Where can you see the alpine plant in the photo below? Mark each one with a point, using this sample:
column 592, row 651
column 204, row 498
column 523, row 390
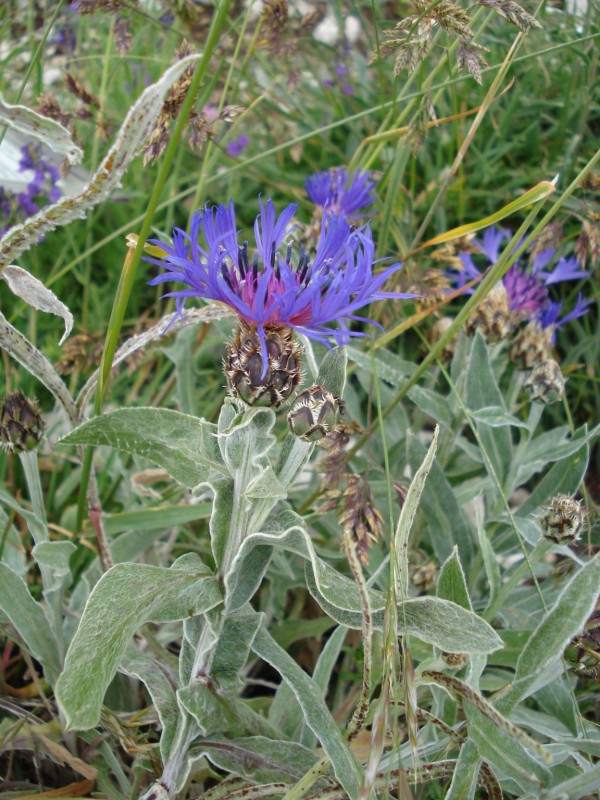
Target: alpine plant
column 274, row 291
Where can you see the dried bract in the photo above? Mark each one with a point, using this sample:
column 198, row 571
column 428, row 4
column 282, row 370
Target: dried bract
column 546, row 382
column 563, row 520
column 21, row 425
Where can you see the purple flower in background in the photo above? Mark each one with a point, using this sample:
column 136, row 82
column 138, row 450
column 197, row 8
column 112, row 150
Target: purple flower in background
column 550, row 315
column 273, row 288
column 237, row 146
column 526, row 287
column 38, row 192
column 338, row 192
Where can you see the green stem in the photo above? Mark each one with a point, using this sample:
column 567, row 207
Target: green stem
column 133, row 258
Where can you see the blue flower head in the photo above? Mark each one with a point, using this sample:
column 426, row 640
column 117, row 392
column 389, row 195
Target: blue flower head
column 273, row 287
column 526, row 287
column 339, row 193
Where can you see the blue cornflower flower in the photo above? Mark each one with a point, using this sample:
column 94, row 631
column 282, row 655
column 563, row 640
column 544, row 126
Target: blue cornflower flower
column 271, row 289
column 337, row 192
column 526, row 288
column 550, row 316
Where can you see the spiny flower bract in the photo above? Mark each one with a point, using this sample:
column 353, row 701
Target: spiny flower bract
column 339, row 192
column 271, row 289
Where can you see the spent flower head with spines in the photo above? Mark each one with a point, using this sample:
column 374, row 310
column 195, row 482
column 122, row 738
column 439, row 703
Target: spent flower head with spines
column 272, row 289
column 340, row 192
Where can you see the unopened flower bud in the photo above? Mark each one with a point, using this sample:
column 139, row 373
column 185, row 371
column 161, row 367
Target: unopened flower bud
column 563, row 520
column 492, row 316
column 455, row 660
column 315, row 413
column 546, row 382
column 21, row 426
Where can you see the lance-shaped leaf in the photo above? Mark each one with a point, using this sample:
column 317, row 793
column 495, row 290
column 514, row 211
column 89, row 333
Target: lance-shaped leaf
column 29, row 619
column 186, row 447
column 134, row 131
column 257, row 758
column 37, row 295
column 126, row 597
column 43, row 129
column 542, row 654
column 316, row 713
column 407, row 516
column 439, row 622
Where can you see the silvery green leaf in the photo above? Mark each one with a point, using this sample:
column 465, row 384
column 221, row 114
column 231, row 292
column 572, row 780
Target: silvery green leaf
column 464, row 778
column 43, row 129
column 246, row 438
column 564, row 477
column 186, row 447
column 407, row 516
column 440, row 512
column 266, row 485
column 390, row 367
column 497, row 417
column 21, row 349
column 451, row 583
column 220, row 713
column 285, row 712
column 542, row 654
column 126, row 597
column 134, row 131
column 233, row 646
column 482, row 392
column 432, row 404
column 33, row 292
column 257, row 758
column 496, row 745
column 12, row 551
column 314, row 709
column 161, row 683
column 534, row 455
column 583, row 785
column 166, row 326
column 431, row 619
column 29, row 620
column 55, row 557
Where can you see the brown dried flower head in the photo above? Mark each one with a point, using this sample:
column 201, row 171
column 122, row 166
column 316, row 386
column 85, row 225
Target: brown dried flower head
column 531, row 346
column 563, row 520
column 492, row 316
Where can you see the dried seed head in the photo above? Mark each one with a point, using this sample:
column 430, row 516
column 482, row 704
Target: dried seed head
column 492, row 316
column 431, row 287
column 360, row 520
column 80, row 353
column 455, row 660
column 435, row 333
column 21, row 425
column 588, row 244
column 531, row 346
column 122, row 35
column 315, row 413
column 244, row 365
column 422, row 574
column 563, row 520
column 546, row 382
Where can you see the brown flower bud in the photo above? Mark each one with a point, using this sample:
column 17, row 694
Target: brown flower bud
column 21, row 426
